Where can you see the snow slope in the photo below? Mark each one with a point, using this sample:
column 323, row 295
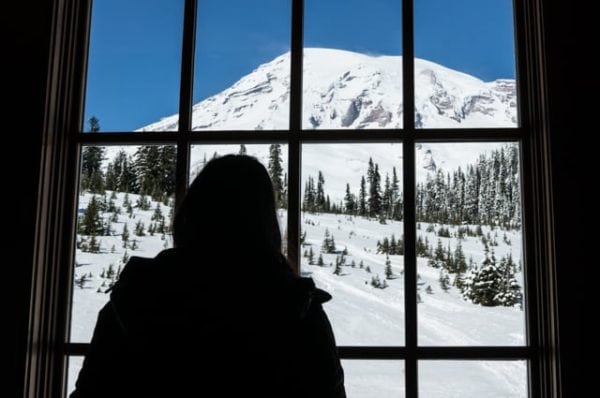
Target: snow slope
column 350, row 90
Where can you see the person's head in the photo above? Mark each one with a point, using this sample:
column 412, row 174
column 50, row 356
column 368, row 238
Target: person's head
column 230, row 207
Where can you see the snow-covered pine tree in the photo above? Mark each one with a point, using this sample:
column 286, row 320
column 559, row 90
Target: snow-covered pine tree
column 388, row 268
column 242, row 150
column 338, row 266
column 374, row 191
column 320, row 261
column 349, row 201
column 92, row 156
column 93, row 245
column 460, row 263
column 444, row 280
column 91, row 222
column 139, row 228
column 157, row 215
column 362, row 198
column 320, row 202
column 125, row 235
column 81, row 281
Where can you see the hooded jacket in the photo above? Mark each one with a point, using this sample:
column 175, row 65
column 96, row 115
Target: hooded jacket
column 175, row 327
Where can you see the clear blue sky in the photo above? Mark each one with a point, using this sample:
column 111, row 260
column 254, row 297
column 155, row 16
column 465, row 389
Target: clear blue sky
column 135, row 46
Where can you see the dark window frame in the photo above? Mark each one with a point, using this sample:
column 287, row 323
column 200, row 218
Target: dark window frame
column 63, row 138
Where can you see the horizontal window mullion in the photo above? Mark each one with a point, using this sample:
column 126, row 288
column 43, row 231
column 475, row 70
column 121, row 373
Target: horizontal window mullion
column 358, row 136
column 424, row 353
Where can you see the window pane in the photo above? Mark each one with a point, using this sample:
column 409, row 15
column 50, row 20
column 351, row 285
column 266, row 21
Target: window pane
column 367, row 379
column 242, row 68
column 134, row 65
column 352, row 241
column 465, row 64
column 352, row 64
column 75, row 364
column 473, row 379
column 125, row 209
column 275, row 159
column 469, row 246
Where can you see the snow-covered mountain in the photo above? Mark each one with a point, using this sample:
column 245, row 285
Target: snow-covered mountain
column 343, row 89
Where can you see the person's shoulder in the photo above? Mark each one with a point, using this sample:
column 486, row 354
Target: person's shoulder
column 140, row 272
column 307, row 284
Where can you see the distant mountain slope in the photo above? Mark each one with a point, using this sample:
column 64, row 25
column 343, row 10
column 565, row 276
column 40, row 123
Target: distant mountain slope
column 344, row 89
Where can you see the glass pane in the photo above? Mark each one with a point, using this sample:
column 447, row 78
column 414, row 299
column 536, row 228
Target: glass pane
column 352, row 240
column 352, row 64
column 75, row 364
column 125, row 209
column 275, row 159
column 242, row 68
column 465, row 64
column 473, row 379
column 367, row 379
column 469, row 244
column 134, row 65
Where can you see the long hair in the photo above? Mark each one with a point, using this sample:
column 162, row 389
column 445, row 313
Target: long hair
column 230, row 206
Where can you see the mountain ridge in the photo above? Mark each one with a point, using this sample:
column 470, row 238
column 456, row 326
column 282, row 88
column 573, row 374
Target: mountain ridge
column 348, row 90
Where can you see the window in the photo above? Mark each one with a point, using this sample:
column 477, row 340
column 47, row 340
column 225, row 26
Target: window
column 399, row 178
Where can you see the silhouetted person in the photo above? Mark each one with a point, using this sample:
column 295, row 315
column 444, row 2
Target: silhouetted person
column 220, row 315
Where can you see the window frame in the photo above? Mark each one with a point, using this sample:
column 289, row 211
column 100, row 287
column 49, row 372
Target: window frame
column 63, row 137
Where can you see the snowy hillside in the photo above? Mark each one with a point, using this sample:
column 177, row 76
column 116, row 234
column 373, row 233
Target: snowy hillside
column 344, row 89
column 349, row 90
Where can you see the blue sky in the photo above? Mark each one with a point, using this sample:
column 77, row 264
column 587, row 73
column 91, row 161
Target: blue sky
column 135, row 46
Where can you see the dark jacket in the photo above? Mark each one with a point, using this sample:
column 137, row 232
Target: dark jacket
column 176, row 327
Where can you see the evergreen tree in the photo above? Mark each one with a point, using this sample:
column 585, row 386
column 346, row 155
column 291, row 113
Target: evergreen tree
column 374, row 190
column 157, row 216
column 311, row 256
column 320, row 261
column 242, row 149
column 338, row 267
column 493, row 284
column 93, row 245
column 81, row 281
column 125, row 235
column 438, row 260
column 361, row 265
column 429, row 290
column 110, row 273
column 362, row 198
column 444, row 280
column 139, row 229
column 91, row 223
column 388, row 268
column 92, row 178
column 125, row 257
column 460, row 263
column 375, row 281
column 276, row 173
column 349, row 201
column 320, row 202
column 143, row 203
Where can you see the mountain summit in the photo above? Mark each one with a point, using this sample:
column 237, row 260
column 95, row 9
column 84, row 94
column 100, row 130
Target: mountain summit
column 343, row 89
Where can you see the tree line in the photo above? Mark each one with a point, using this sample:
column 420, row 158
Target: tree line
column 485, row 193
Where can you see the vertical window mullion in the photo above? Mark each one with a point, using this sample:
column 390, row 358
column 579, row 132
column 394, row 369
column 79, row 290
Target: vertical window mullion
column 186, row 93
column 293, row 219
column 408, row 160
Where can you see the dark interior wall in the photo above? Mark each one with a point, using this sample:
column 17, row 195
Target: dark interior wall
column 24, row 66
column 25, row 42
column 570, row 77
